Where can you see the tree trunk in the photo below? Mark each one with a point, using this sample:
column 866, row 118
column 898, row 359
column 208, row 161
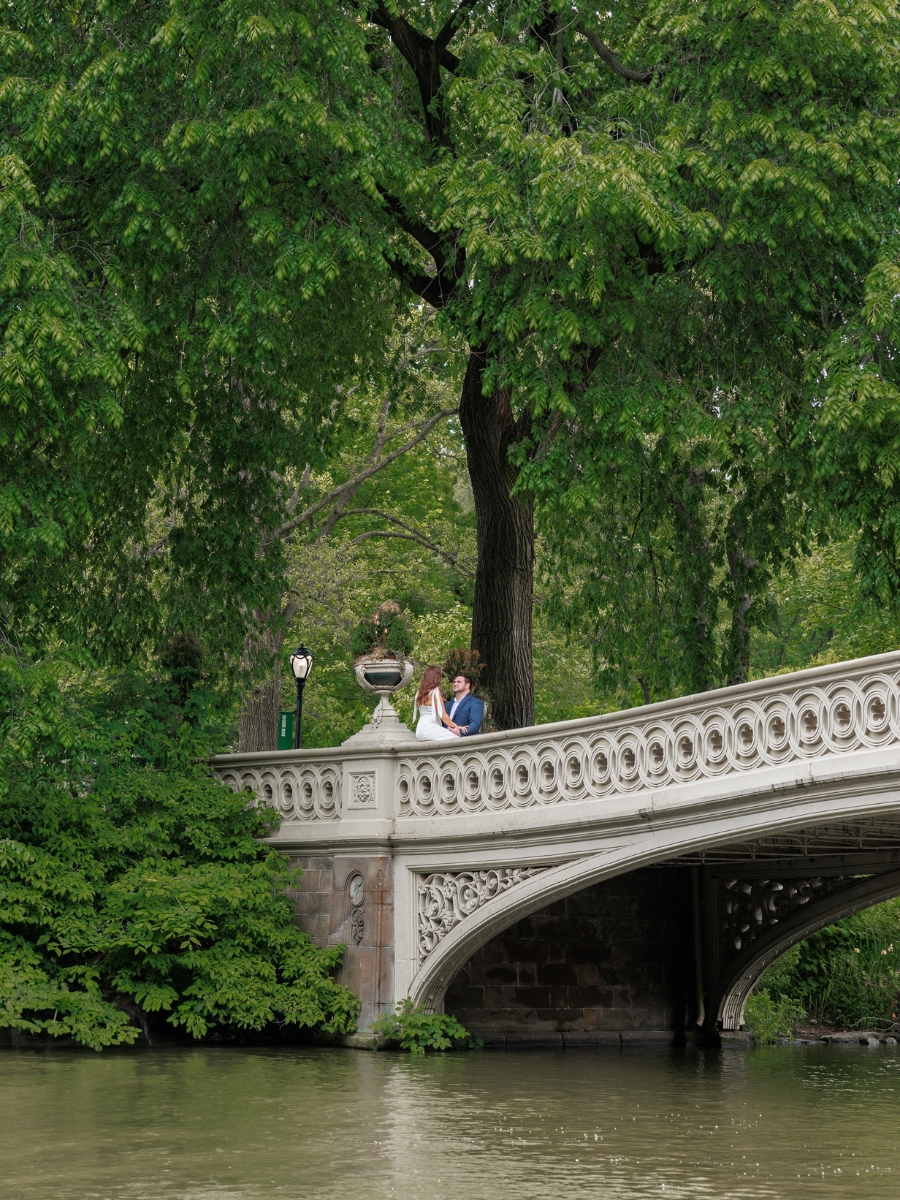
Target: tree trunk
column 504, row 577
column 736, row 659
column 259, row 714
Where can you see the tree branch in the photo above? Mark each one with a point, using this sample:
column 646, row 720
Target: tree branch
column 428, row 239
column 433, row 289
column 411, row 535
column 353, row 485
column 600, row 48
column 300, row 488
column 452, row 24
column 426, row 57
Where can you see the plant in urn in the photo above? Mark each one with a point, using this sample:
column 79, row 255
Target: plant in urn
column 380, row 646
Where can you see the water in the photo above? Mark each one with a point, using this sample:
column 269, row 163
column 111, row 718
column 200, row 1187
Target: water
column 260, row 1124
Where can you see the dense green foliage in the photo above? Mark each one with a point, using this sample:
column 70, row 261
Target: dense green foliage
column 743, row 389
column 820, row 613
column 385, row 632
column 670, row 231
column 416, row 1030
column 168, row 314
column 770, row 1017
column 846, row 975
column 132, row 883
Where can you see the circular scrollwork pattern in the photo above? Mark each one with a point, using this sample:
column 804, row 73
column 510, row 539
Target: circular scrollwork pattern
column 607, row 757
column 307, row 793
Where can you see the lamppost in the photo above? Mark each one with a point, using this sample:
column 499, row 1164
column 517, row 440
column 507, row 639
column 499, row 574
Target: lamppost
column 301, row 665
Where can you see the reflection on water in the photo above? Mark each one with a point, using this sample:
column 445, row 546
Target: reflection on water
column 255, row 1124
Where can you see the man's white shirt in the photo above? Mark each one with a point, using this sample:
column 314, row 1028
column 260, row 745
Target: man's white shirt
column 453, row 707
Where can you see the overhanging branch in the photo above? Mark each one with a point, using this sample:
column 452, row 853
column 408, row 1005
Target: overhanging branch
column 452, row 24
column 410, row 535
column 599, row 47
column 353, row 485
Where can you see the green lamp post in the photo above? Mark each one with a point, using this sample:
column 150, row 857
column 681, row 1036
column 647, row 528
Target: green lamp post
column 301, row 665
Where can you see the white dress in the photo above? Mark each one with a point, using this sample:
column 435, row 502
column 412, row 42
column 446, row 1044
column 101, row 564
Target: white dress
column 430, row 727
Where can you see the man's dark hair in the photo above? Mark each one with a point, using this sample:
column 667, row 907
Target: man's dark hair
column 465, row 674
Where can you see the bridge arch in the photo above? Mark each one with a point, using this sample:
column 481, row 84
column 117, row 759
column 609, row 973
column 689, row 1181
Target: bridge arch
column 553, row 883
column 647, row 849
column 746, row 970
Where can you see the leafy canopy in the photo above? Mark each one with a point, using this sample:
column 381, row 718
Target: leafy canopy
column 172, row 336
column 671, row 228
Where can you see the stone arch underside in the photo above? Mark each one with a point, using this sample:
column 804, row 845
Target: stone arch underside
column 744, row 972
column 875, row 879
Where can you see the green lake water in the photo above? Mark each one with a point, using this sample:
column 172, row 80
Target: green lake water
column 256, row 1124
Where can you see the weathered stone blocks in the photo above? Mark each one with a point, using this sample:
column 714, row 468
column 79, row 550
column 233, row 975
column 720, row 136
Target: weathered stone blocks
column 349, row 900
column 609, row 958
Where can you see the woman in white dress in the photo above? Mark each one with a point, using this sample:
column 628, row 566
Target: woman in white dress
column 434, row 725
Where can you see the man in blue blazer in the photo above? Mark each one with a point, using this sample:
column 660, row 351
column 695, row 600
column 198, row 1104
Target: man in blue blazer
column 465, row 710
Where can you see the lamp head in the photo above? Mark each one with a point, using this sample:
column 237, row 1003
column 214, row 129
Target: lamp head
column 301, row 663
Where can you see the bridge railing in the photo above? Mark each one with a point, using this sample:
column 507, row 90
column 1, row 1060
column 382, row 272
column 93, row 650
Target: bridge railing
column 831, row 710
column 301, row 785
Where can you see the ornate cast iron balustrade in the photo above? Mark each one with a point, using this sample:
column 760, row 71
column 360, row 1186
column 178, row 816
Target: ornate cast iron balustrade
column 834, row 710
column 305, row 791
column 772, row 722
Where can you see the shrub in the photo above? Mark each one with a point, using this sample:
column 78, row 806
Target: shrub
column 384, row 634
column 847, row 974
column 417, row 1030
column 464, row 662
column 771, row 1017
column 469, row 662
column 134, row 889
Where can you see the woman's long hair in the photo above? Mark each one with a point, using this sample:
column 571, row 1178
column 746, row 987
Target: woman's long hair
column 431, row 678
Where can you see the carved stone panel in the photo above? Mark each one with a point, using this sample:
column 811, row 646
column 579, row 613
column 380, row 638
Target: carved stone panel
column 362, row 789
column 362, row 920
column 448, row 897
column 753, row 905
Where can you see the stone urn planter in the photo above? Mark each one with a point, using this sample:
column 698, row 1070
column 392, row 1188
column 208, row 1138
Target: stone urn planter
column 382, row 675
column 381, row 644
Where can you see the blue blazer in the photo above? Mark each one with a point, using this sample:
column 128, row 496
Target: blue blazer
column 470, row 712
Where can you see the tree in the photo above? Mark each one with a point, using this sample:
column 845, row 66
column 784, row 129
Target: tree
column 135, row 888
column 627, row 217
column 822, row 611
column 165, row 356
column 664, row 548
column 635, row 247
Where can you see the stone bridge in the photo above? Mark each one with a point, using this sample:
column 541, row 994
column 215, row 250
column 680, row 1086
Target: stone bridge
column 619, row 878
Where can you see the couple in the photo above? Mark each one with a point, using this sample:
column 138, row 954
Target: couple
column 436, row 724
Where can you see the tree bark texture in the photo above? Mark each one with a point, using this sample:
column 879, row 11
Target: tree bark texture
column 258, row 728
column 504, row 578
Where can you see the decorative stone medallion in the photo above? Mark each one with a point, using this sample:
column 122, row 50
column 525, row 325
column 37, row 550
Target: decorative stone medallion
column 356, row 890
column 362, row 789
